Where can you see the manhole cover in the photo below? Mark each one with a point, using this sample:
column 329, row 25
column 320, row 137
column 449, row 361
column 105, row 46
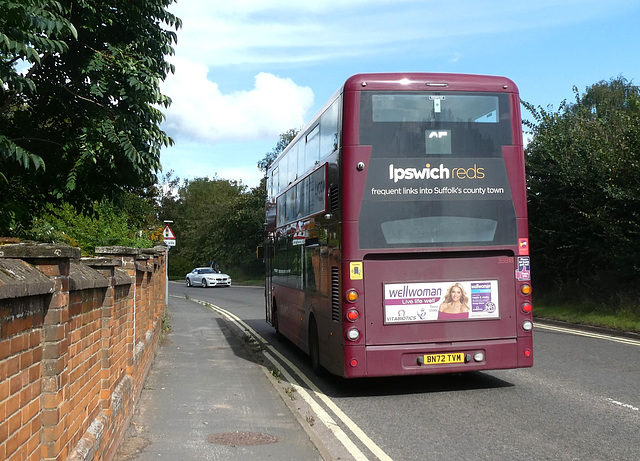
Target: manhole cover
column 242, row 438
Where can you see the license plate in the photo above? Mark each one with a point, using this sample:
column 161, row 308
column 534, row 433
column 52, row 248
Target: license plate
column 436, row 359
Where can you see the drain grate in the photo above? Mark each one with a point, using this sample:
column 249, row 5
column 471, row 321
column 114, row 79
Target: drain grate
column 240, row 438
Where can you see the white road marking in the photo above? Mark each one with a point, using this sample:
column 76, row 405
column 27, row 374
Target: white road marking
column 588, row 334
column 353, row 427
column 322, row 414
column 330, row 423
column 327, row 420
column 617, row 339
column 623, row 405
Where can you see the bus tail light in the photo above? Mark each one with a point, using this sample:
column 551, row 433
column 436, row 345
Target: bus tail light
column 352, row 315
column 351, row 295
column 527, row 325
column 527, row 352
column 478, row 356
column 525, row 289
column 353, row 362
column 526, row 308
column 353, row 334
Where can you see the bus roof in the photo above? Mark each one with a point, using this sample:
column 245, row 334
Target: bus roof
column 415, row 81
column 429, row 81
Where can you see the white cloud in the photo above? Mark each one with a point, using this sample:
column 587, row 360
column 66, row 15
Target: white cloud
column 249, row 176
column 229, row 33
column 201, row 111
column 223, row 160
column 225, row 132
column 264, row 34
column 276, row 32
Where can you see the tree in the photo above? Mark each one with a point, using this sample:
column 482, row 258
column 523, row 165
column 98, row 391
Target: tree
column 283, row 142
column 28, row 30
column 264, row 164
column 87, row 106
column 215, row 220
column 583, row 169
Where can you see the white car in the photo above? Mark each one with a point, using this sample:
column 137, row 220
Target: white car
column 207, row 277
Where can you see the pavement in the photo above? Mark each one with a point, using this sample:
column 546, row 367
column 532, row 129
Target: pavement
column 207, row 398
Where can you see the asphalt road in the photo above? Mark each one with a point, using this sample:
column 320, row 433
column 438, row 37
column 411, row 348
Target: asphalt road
column 580, row 401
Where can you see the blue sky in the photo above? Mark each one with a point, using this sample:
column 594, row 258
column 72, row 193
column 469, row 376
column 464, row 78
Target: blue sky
column 248, row 70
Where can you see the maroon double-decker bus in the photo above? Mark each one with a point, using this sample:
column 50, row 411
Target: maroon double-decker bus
column 396, row 229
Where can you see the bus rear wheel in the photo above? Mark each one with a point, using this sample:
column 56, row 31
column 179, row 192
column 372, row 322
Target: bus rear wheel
column 275, row 322
column 314, row 348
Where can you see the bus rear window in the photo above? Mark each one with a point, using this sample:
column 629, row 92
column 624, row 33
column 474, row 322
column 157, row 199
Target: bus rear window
column 434, row 107
column 429, row 124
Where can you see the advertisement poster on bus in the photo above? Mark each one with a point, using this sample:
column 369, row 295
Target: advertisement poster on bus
column 441, row 301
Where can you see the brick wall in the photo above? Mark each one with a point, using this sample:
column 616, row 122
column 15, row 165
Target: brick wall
column 77, row 338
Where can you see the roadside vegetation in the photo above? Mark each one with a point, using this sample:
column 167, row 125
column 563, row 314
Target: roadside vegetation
column 103, row 225
column 603, row 316
column 80, row 117
column 218, row 221
column 583, row 167
column 80, row 141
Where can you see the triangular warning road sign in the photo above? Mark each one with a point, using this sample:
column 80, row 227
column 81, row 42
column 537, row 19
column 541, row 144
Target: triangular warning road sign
column 168, row 234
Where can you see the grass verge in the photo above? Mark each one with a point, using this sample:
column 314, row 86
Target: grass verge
column 599, row 316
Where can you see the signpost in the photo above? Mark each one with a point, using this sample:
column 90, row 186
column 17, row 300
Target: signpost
column 170, row 241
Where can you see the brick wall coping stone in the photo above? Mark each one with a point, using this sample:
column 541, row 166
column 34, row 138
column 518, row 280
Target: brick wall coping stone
column 143, row 267
column 158, row 249
column 19, row 279
column 82, row 277
column 118, row 250
column 39, row 251
column 121, row 277
column 102, row 262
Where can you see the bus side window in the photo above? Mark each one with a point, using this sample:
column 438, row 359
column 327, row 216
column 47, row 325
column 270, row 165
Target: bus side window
column 329, row 131
column 292, row 165
column 312, row 149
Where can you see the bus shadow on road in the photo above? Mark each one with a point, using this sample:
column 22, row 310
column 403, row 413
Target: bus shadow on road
column 242, row 344
column 423, row 384
column 336, row 386
column 245, row 348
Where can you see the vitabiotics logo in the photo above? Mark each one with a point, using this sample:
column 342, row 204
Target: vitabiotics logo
column 439, row 172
